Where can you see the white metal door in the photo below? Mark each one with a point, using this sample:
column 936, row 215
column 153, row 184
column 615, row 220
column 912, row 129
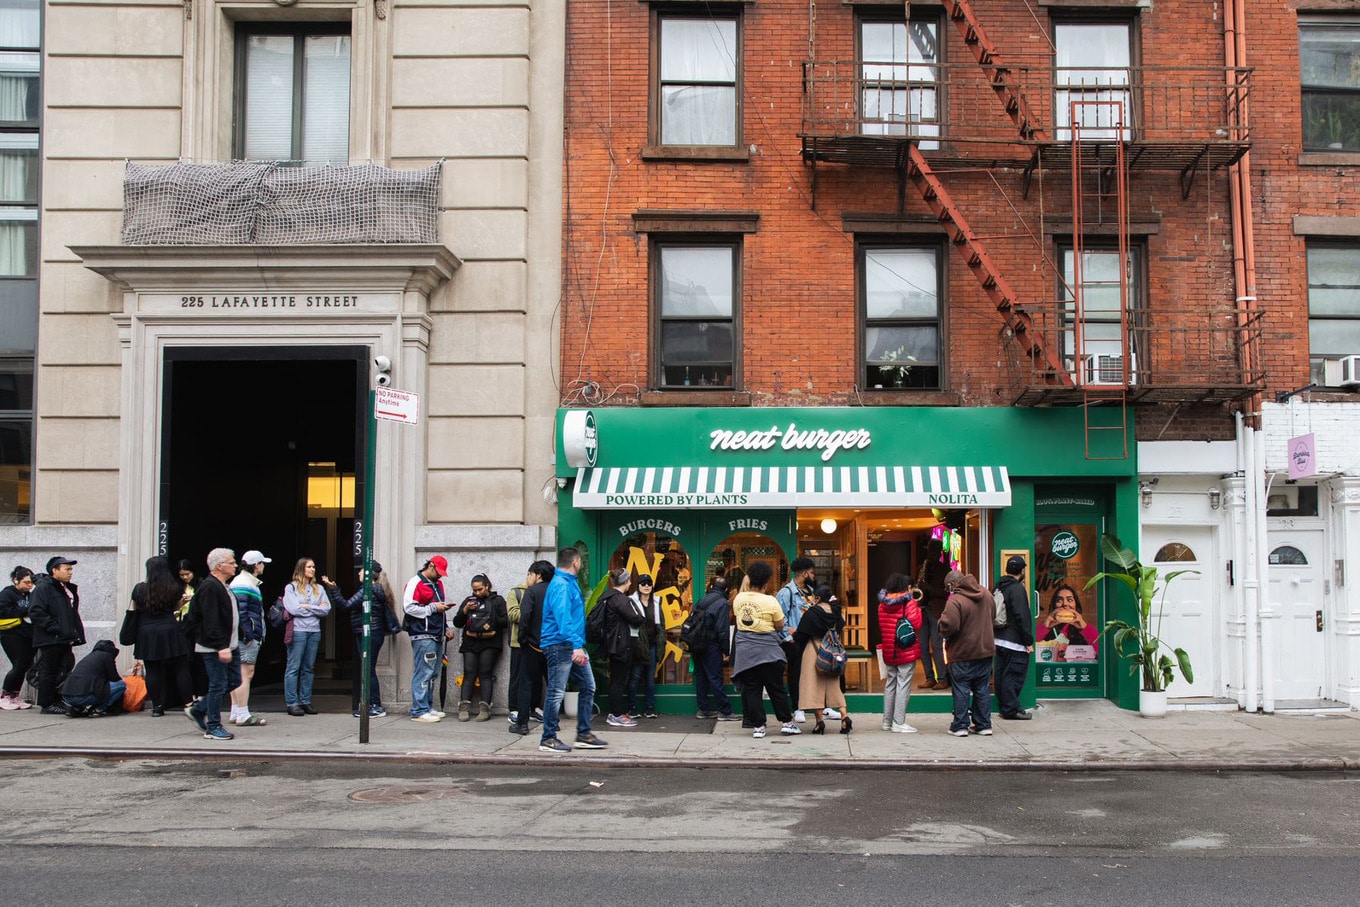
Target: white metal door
column 1188, row 615
column 1294, row 603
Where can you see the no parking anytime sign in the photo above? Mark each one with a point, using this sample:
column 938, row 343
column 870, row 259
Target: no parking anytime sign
column 396, row 406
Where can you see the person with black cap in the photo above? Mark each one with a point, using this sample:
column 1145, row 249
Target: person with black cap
column 54, row 608
column 1014, row 641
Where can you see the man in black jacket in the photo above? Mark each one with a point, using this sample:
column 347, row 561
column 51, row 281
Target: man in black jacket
column 1014, row 642
column 54, row 608
column 532, row 667
column 708, row 664
column 214, row 623
column 93, row 688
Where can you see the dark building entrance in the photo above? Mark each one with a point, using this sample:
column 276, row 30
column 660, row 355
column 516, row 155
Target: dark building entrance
column 262, row 449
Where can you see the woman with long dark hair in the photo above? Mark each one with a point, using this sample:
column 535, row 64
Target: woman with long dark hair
column 483, row 618
column 382, row 623
column 16, row 637
column 161, row 644
column 817, row 691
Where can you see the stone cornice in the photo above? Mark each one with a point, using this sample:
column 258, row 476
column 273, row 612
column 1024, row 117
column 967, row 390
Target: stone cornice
column 371, row 268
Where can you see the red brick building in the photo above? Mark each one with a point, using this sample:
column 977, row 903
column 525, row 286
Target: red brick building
column 1114, row 208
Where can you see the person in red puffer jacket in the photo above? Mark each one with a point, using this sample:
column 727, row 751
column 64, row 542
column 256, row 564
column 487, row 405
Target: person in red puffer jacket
column 898, row 601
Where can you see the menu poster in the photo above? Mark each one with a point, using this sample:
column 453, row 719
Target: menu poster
column 1067, row 629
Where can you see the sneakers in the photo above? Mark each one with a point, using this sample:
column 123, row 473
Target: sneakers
column 196, row 718
column 355, row 713
column 218, row 733
column 537, row 716
column 377, row 711
column 650, row 714
column 728, row 716
column 790, row 729
column 704, row 713
column 77, row 711
column 438, row 714
column 589, row 741
column 800, row 716
column 980, row 731
column 833, row 714
column 521, row 729
column 758, row 732
column 887, row 724
column 427, row 718
column 553, row 745
column 8, row 703
column 903, row 729
column 513, row 717
column 55, row 708
column 961, row 732
column 620, row 721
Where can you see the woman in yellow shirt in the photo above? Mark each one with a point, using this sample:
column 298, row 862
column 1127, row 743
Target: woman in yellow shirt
column 758, row 659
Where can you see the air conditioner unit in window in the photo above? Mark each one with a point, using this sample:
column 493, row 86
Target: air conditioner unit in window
column 1098, row 371
column 1349, row 372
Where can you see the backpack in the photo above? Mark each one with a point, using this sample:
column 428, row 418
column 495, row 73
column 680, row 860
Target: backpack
column 278, row 614
column 697, row 633
column 595, row 623
column 1001, row 616
column 831, row 655
column 478, row 622
column 904, row 637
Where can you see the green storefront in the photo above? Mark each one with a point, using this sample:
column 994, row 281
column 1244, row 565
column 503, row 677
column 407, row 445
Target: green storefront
column 683, row 494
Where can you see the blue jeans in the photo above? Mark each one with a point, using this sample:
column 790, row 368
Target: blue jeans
column 643, row 670
column 708, row 685
column 969, row 680
column 560, row 669
column 297, row 678
column 223, row 677
column 426, row 654
column 116, row 690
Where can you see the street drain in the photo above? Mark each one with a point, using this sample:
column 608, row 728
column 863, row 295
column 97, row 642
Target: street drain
column 404, row 794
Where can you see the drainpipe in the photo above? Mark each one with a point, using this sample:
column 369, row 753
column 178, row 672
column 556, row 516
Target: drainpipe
column 1263, row 583
column 1250, row 575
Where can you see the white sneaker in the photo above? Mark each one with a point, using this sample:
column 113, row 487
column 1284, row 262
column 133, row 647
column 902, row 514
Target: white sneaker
column 800, row 716
column 790, row 730
column 427, row 718
column 7, row 703
column 438, row 714
column 887, row 725
column 903, row 729
column 758, row 732
column 833, row 714
column 620, row 721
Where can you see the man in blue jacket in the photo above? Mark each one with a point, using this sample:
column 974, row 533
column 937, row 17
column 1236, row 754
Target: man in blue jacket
column 563, row 639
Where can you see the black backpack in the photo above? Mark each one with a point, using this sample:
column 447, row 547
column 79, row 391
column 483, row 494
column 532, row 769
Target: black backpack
column 697, row 633
column 595, row 622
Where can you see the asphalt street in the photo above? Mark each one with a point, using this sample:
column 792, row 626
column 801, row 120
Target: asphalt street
column 95, row 832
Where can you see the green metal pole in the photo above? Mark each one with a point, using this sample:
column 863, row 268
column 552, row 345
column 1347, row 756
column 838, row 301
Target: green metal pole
column 370, row 458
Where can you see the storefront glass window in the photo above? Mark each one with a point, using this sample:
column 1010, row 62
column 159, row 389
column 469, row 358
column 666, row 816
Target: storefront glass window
column 1067, row 630
column 663, row 559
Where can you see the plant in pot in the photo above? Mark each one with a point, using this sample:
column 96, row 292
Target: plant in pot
column 1140, row 643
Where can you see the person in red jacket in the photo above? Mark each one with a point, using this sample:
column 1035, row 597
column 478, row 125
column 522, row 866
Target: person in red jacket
column 898, row 602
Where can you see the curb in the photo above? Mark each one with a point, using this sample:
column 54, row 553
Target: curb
column 655, row 762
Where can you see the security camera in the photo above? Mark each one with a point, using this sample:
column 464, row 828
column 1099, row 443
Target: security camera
column 382, row 363
column 383, row 379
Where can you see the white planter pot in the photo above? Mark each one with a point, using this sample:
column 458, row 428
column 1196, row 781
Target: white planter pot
column 570, row 699
column 1152, row 705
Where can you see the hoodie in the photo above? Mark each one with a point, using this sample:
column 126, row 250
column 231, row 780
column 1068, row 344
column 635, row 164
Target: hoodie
column 92, row 674
column 966, row 623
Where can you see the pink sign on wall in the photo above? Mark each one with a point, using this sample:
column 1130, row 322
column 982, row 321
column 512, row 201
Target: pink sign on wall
column 1302, row 456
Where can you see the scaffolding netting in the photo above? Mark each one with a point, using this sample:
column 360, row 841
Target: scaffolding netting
column 263, row 203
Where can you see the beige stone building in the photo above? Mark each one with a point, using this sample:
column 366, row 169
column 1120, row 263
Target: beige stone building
column 209, row 387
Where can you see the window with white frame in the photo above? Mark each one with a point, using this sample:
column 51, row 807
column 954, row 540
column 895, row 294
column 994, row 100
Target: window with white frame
column 1333, row 308
column 1329, row 76
column 900, row 316
column 292, row 85
column 1092, row 78
column 696, row 288
column 696, row 95
column 899, row 91
column 1097, row 331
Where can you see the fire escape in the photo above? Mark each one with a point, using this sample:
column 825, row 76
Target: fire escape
column 1076, row 349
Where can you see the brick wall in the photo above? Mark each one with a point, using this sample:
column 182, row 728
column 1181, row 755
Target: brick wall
column 799, row 295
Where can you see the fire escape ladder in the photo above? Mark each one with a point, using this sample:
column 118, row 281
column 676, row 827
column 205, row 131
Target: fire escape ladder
column 1001, row 77
column 998, row 289
column 1107, row 365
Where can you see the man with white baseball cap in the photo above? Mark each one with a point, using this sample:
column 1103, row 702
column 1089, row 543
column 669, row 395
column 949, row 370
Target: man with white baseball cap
column 250, row 605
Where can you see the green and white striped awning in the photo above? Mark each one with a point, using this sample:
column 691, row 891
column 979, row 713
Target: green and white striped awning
column 677, row 487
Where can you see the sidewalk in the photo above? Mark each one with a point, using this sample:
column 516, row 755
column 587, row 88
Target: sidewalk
column 1068, row 735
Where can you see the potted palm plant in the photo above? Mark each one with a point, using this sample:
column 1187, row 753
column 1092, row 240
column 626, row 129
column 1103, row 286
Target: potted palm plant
column 1140, row 643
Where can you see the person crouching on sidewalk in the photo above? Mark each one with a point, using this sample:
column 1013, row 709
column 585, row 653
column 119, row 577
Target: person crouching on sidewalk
column 93, row 688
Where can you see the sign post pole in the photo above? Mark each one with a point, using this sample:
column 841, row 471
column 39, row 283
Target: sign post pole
column 366, row 648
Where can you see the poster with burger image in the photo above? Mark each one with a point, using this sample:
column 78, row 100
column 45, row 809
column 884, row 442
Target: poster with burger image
column 1067, row 630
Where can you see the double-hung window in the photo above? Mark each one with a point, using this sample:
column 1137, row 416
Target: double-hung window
column 696, row 96
column 1097, row 337
column 20, row 120
column 902, row 333
column 696, row 293
column 292, row 93
column 1333, row 305
column 1329, row 73
column 1092, row 76
column 899, row 79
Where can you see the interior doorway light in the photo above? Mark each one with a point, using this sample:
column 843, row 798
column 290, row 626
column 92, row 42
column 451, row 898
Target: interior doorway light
column 828, row 525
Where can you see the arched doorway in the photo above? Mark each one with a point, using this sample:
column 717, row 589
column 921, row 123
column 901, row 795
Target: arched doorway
column 660, row 556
